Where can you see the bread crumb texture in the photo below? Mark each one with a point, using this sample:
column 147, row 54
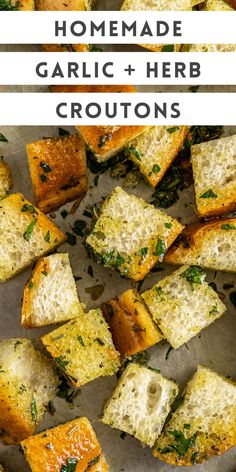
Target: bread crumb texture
column 154, row 151
column 131, row 235
column 70, row 446
column 58, row 171
column 140, row 403
column 214, row 170
column 130, row 323
column 25, row 235
column 204, row 424
column 183, row 304
column 50, row 295
column 211, row 245
column 83, row 348
column 27, row 383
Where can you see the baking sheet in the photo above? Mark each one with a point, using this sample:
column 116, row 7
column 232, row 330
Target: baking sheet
column 215, row 348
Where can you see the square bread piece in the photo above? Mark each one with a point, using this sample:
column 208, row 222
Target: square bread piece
column 130, row 323
column 211, row 245
column 60, row 5
column 182, row 304
column 83, row 348
column 140, row 403
column 50, row 295
column 131, row 235
column 204, row 424
column 5, row 178
column 154, row 151
column 159, row 5
column 58, row 171
column 25, row 235
column 27, row 383
column 214, row 171
column 104, row 141
column 68, row 447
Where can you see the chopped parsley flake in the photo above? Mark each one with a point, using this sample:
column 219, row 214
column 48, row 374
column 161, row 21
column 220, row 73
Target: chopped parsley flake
column 160, row 248
column 214, row 310
column 46, row 168
column 3, row 138
column 168, row 48
column 228, row 226
column 70, row 466
column 80, row 339
column 132, row 150
column 143, row 252
column 209, row 194
column 173, row 129
column 28, row 233
column 194, row 275
column 43, row 178
column 61, row 362
column 34, row 410
column 48, row 237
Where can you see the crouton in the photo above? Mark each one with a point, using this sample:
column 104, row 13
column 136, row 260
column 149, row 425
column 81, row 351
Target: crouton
column 25, row 235
column 140, row 403
column 217, row 5
column 159, row 5
column 204, row 424
column 104, row 141
column 83, row 348
column 65, row 47
column 58, row 171
column 211, row 245
column 154, row 151
column 50, row 295
column 59, row 5
column 131, row 235
column 5, row 178
column 182, row 304
column 215, row 176
column 130, row 323
column 27, row 384
column 71, row 444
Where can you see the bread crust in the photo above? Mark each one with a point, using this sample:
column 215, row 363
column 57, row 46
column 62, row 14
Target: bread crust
column 130, row 323
column 188, row 250
column 75, row 439
column 5, row 178
column 61, row 163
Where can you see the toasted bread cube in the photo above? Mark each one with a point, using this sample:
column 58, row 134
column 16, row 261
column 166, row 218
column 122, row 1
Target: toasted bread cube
column 50, row 295
column 182, row 304
column 59, row 5
column 210, row 245
column 214, row 176
column 130, row 323
column 65, row 47
column 25, row 235
column 74, row 443
column 204, row 423
column 5, row 178
column 154, row 151
column 159, row 5
column 104, row 141
column 140, row 403
column 131, row 235
column 27, row 384
column 58, row 171
column 83, row 348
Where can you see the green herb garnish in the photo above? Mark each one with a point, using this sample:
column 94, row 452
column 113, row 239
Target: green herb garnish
column 143, row 252
column 22, row 389
column 79, row 227
column 71, row 239
column 3, row 138
column 123, row 435
column 160, row 248
column 46, row 168
column 168, row 352
column 194, row 88
column 43, row 178
column 209, row 194
column 80, row 339
column 31, row 285
column 48, row 237
column 103, row 139
column 134, row 151
column 92, row 463
column 34, row 410
column 156, row 168
column 194, row 275
column 6, row 5
column 168, row 225
column 70, row 466
column 62, row 131
column 181, row 444
column 28, row 233
column 168, row 48
column 61, row 362
column 228, row 226
column 173, row 129
column 214, row 310
column 29, row 209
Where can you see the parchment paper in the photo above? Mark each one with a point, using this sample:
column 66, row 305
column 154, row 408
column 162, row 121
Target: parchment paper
column 215, row 348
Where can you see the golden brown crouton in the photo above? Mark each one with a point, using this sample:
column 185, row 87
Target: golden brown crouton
column 72, row 444
column 130, row 323
column 58, row 171
column 211, row 245
column 59, row 5
column 104, row 141
column 5, row 178
column 24, row 4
